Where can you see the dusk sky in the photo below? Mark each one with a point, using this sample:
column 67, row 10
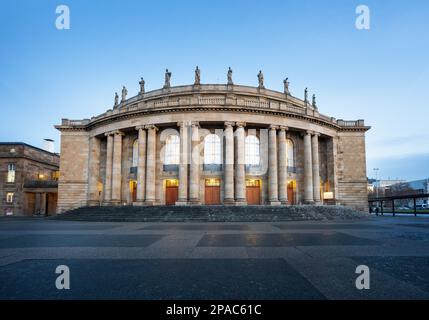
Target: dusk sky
column 380, row 75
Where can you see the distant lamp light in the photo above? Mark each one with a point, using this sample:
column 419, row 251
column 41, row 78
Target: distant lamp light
column 328, row 195
column 41, row 176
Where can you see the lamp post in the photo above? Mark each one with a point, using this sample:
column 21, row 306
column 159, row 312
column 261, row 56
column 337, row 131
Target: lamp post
column 376, row 179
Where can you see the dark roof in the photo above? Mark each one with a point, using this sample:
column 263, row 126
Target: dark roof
column 27, row 145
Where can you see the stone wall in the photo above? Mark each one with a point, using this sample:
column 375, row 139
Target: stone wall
column 73, row 181
column 351, row 165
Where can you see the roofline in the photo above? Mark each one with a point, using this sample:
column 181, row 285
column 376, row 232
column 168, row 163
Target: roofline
column 28, row 145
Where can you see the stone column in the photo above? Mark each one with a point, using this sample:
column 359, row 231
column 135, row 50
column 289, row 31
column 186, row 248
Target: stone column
column 141, row 166
column 240, row 170
column 151, row 165
column 308, row 171
column 194, row 188
column 273, row 187
column 117, row 167
column 94, row 171
column 183, row 166
column 316, row 174
column 229, row 164
column 108, row 178
column 283, row 166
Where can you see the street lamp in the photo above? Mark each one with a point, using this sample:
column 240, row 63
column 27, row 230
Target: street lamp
column 376, row 179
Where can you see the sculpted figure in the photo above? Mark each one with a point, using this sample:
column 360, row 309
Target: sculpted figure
column 124, row 94
column 229, row 76
column 167, row 79
column 314, row 102
column 116, row 99
column 306, row 95
column 261, row 79
column 197, row 76
column 142, row 83
column 286, row 86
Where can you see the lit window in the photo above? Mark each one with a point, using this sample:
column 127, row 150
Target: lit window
column 252, row 157
column 290, row 157
column 212, row 149
column 9, row 197
column 11, row 173
column 172, row 150
column 135, row 153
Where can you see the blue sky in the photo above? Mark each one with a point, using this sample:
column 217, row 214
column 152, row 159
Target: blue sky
column 380, row 75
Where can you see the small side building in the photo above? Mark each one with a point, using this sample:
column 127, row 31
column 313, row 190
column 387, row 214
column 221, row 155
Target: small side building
column 28, row 180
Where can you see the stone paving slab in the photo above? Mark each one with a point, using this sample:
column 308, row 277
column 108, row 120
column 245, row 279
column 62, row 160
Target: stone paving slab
column 276, row 240
column 67, row 240
column 157, row 279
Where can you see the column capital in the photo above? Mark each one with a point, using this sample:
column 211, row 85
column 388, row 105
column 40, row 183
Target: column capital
column 317, row 134
column 283, row 128
column 229, row 124
column 195, row 124
column 273, row 127
column 184, row 123
column 142, row 127
column 306, row 133
column 240, row 124
column 117, row 132
column 151, row 127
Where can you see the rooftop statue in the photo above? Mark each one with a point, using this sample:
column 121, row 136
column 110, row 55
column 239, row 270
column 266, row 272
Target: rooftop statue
column 229, row 76
column 124, row 94
column 167, row 79
column 286, row 86
column 197, row 76
column 142, row 83
column 261, row 80
column 314, row 102
column 116, row 100
column 306, row 95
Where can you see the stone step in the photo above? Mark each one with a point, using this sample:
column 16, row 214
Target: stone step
column 209, row 213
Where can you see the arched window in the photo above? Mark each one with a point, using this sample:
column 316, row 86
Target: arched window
column 135, row 153
column 212, row 149
column 290, row 153
column 252, row 153
column 172, row 150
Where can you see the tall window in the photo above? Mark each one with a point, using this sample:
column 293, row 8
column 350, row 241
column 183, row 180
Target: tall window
column 9, row 197
column 172, row 150
column 252, row 157
column 11, row 173
column 290, row 153
column 135, row 153
column 212, row 149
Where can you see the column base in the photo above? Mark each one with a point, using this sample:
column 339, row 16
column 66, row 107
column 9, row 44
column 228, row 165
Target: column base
column 274, row 203
column 310, row 202
column 181, row 203
column 139, row 203
column 93, row 203
column 115, row 202
column 194, row 202
column 149, row 203
column 241, row 202
column 229, row 202
column 284, row 202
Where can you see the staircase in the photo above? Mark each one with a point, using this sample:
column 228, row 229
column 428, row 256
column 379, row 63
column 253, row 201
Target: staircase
column 209, row 213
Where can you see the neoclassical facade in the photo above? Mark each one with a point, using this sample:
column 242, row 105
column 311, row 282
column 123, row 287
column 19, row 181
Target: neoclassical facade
column 212, row 144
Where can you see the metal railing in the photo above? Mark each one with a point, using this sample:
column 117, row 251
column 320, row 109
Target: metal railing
column 391, row 200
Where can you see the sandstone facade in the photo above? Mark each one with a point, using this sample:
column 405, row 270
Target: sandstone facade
column 164, row 146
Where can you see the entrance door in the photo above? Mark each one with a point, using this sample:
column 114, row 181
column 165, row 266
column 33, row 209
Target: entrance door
column 133, row 187
column 212, row 192
column 171, row 191
column 290, row 192
column 253, row 192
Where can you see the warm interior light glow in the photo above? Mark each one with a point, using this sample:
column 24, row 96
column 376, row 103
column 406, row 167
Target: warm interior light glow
column 328, row 195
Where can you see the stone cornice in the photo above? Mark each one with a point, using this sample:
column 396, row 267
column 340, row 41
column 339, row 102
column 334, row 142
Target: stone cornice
column 212, row 98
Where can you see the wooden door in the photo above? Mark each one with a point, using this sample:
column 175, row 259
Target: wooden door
column 290, row 193
column 212, row 195
column 171, row 195
column 212, row 192
column 134, row 191
column 253, row 192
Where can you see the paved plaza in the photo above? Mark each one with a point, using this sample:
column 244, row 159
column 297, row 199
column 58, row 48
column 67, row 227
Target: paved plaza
column 285, row 260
